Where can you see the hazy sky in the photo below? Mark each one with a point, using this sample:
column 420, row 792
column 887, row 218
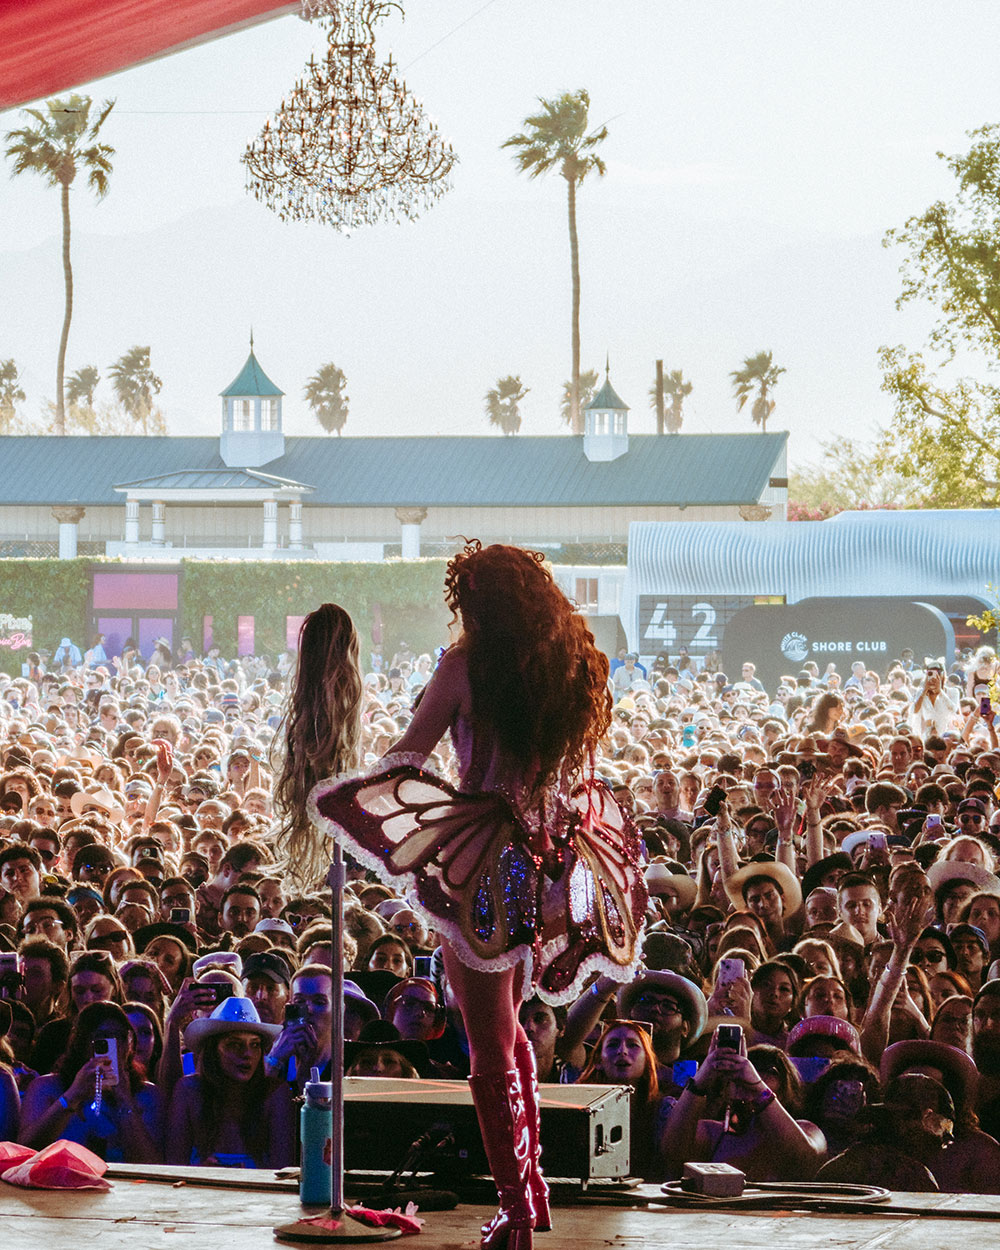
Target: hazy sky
column 757, row 152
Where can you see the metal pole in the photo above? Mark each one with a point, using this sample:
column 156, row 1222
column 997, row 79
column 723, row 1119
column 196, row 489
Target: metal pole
column 338, row 880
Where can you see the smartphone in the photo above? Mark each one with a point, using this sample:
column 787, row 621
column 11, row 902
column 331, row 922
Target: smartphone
column 106, row 1049
column 933, row 821
column 180, row 915
column 422, row 966
column 714, row 800
column 877, row 842
column 728, row 1036
column 10, row 974
column 730, row 970
column 683, row 1071
column 806, row 769
column 220, row 992
column 294, row 1013
column 986, row 707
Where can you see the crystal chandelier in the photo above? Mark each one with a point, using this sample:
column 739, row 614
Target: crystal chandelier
column 350, row 147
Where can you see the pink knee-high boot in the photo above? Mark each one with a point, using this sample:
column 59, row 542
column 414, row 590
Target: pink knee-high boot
column 503, row 1124
column 527, row 1068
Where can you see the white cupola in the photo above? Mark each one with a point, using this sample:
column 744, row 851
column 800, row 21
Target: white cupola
column 251, row 418
column 605, row 430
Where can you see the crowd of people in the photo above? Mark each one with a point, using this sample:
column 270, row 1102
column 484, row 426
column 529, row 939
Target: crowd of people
column 817, row 993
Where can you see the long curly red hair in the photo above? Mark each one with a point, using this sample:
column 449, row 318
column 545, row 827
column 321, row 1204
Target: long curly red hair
column 538, row 681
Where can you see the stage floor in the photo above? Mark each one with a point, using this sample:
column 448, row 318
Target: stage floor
column 147, row 1214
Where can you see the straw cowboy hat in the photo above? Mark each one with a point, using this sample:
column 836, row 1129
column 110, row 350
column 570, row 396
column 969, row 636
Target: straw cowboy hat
column 103, row 800
column 783, row 878
column 660, row 879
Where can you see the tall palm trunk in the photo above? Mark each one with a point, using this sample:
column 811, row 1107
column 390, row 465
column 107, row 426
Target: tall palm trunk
column 576, row 424
column 67, row 317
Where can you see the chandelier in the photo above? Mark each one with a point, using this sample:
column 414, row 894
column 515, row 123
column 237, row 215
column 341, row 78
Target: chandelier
column 350, row 146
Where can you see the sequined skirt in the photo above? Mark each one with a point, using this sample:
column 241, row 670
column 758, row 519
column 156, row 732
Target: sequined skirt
column 565, row 899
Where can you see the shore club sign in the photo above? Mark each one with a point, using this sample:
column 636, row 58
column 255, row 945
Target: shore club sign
column 15, row 632
column 874, row 630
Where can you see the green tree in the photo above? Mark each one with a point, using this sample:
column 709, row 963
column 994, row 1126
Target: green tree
column 80, row 387
column 135, row 384
column 757, row 378
column 586, row 390
column 851, row 474
column 503, row 403
column 945, row 431
column 676, row 390
column 324, row 393
column 556, row 138
column 58, row 143
column 11, row 393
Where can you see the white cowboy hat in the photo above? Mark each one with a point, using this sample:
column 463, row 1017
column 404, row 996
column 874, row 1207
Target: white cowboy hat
column 102, row 799
column 235, row 1015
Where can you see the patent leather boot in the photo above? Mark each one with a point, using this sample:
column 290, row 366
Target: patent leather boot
column 502, row 1122
column 524, row 1061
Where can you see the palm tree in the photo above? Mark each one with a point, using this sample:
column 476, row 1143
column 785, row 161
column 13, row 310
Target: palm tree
column 10, row 392
column 502, row 403
column 676, row 390
column 758, row 376
column 556, row 138
column 58, row 145
column 80, row 387
column 135, row 384
column 325, row 395
column 586, row 389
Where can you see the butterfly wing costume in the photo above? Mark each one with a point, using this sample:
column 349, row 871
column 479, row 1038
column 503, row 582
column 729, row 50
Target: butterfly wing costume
column 558, row 888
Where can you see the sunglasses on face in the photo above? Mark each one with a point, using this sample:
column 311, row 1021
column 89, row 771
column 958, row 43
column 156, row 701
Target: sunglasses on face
column 928, row 957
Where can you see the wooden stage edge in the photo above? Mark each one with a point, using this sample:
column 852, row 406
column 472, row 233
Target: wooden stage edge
column 149, row 1208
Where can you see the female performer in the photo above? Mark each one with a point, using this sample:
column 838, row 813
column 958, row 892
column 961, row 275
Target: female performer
column 529, row 870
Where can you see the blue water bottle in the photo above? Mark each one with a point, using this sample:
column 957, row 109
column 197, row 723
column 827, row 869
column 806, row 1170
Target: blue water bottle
column 316, row 1137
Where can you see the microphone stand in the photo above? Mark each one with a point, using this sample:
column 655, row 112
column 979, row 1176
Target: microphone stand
column 337, row 1226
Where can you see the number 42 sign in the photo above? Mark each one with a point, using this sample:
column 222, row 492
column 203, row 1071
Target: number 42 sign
column 689, row 621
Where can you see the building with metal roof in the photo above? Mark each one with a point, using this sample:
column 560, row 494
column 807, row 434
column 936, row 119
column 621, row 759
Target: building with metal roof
column 686, row 583
column 361, row 497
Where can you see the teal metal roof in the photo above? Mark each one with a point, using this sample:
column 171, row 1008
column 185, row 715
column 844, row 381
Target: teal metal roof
column 608, row 398
column 671, row 470
column 215, row 480
column 251, row 380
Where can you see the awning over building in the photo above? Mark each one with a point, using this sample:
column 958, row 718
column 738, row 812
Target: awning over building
column 48, row 46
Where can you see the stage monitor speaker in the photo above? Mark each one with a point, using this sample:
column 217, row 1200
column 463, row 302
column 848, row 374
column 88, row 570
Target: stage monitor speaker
column 585, row 1128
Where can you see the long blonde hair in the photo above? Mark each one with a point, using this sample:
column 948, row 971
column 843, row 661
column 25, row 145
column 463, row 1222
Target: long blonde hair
column 322, row 734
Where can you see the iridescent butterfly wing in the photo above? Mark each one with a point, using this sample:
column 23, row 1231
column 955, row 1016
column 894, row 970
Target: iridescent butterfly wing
column 605, row 891
column 464, row 856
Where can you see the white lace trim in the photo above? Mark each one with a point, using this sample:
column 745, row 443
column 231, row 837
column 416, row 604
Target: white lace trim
column 594, row 962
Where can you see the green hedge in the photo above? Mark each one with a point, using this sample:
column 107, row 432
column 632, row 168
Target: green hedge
column 54, row 593
column 408, row 593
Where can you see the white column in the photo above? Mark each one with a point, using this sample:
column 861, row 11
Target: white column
column 131, row 522
column 295, row 525
column 159, row 537
column 270, row 524
column 409, row 524
column 69, row 519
